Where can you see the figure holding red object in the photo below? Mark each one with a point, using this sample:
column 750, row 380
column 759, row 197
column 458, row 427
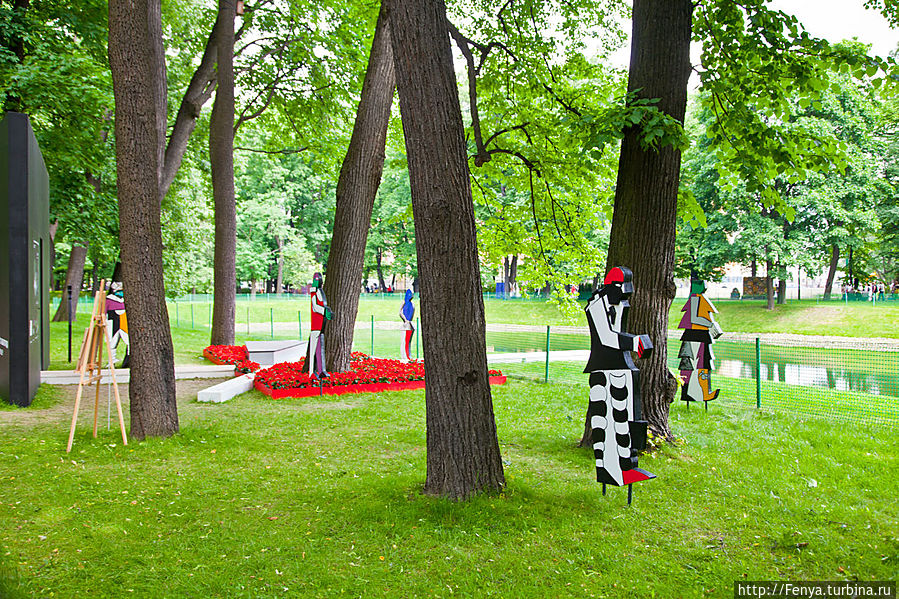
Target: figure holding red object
column 407, row 312
column 618, row 431
column 321, row 314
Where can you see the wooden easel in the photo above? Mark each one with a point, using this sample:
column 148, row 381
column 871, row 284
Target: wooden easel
column 89, row 361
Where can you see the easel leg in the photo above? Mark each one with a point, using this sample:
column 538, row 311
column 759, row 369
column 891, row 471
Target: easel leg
column 630, row 493
column 604, row 489
column 115, row 386
column 98, row 382
column 82, row 368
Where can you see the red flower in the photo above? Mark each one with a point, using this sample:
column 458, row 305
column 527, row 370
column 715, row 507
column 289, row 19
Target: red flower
column 226, row 354
column 363, row 370
column 246, row 366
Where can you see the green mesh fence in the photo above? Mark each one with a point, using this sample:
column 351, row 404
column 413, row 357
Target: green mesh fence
column 855, row 380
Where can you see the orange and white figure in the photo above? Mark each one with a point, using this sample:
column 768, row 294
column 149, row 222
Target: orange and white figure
column 696, row 357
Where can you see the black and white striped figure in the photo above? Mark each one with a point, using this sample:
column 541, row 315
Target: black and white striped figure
column 618, row 431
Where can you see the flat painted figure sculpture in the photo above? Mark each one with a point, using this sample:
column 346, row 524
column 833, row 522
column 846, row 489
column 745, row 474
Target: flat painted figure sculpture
column 618, row 431
column 117, row 320
column 407, row 313
column 321, row 314
column 696, row 357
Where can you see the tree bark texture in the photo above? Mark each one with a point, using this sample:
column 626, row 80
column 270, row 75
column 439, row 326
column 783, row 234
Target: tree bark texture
column 221, row 158
column 832, row 271
column 769, row 285
column 74, row 277
column 357, row 186
column 198, row 92
column 644, row 219
column 463, row 454
column 137, row 63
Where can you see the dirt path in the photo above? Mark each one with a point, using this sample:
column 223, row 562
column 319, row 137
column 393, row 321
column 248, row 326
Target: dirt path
column 186, row 391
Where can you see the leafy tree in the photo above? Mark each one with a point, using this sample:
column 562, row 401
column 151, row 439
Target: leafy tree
column 360, row 175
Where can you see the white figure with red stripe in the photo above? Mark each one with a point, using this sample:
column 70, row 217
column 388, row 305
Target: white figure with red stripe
column 321, row 314
column 618, row 431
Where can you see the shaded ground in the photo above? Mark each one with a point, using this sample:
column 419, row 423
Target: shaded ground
column 61, row 412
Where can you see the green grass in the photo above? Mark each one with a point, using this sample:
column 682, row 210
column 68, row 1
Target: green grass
column 806, row 317
column 262, row 498
column 47, row 396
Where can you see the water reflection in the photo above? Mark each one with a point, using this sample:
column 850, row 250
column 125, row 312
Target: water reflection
column 839, row 378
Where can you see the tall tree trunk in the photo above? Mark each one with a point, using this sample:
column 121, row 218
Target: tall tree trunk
column 54, row 282
column 279, row 281
column 505, row 277
column 221, row 158
column 381, row 283
column 95, row 276
column 513, row 271
column 198, row 92
column 252, row 289
column 357, row 186
column 137, row 63
column 644, row 218
column 781, row 292
column 769, row 285
column 851, row 268
column 754, row 268
column 831, row 271
column 74, row 277
column 463, row 454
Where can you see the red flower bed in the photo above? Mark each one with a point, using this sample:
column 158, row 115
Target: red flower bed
column 246, row 367
column 226, row 354
column 367, row 375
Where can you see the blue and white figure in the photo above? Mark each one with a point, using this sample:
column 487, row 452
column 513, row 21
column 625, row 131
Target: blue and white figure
column 407, row 313
column 618, row 431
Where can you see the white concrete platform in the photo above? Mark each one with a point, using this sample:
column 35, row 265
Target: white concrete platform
column 122, row 375
column 268, row 353
column 227, row 390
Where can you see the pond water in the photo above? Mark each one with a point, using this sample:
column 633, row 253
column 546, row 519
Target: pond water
column 876, row 373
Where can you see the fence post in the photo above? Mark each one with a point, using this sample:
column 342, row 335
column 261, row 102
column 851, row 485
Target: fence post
column 546, row 371
column 271, row 320
column 191, row 316
column 417, row 328
column 248, row 319
column 299, row 326
column 758, row 373
column 210, row 315
column 372, row 335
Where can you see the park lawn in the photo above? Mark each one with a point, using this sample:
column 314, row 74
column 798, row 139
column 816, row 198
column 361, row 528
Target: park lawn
column 321, row 498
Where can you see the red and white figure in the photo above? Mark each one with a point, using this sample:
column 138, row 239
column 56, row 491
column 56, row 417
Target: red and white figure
column 696, row 357
column 407, row 313
column 618, row 431
column 321, row 314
